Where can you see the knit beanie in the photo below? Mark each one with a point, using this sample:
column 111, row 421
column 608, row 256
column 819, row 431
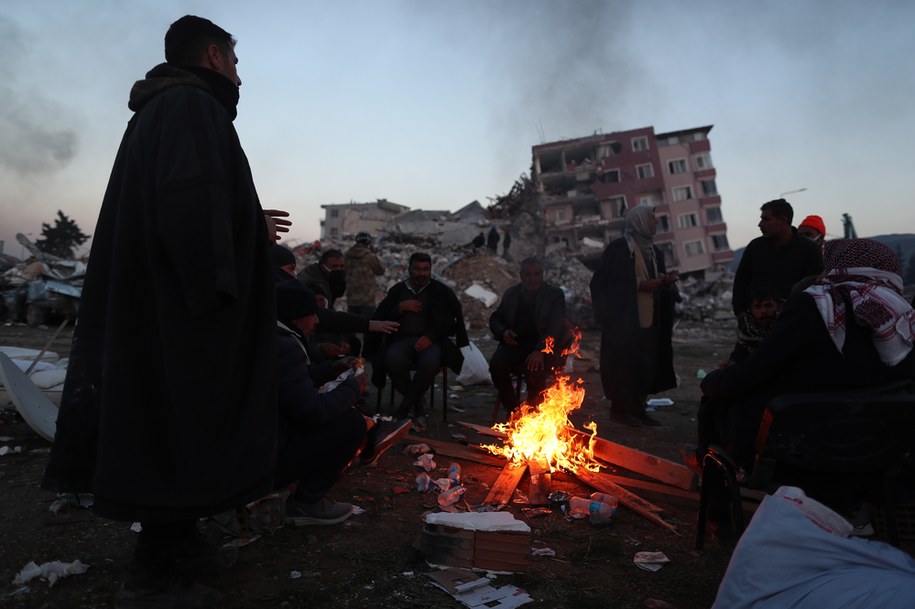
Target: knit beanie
column 294, row 301
column 281, row 255
column 816, row 223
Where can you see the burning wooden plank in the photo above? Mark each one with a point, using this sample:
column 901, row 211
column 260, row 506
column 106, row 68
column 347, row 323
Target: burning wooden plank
column 501, row 492
column 632, row 459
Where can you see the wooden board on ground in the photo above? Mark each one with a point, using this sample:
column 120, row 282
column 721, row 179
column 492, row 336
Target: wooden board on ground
column 501, row 492
column 630, row 500
column 457, row 451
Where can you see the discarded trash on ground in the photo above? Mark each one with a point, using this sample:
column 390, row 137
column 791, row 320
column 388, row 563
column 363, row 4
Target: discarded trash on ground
column 49, row 571
column 650, row 561
column 475, row 591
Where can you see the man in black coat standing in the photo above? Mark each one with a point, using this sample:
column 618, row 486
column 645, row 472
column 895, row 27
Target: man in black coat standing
column 169, row 408
column 530, row 313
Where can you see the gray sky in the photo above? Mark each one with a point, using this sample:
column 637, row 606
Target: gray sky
column 434, row 104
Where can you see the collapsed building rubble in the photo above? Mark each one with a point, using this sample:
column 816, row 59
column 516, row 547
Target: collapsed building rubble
column 41, row 288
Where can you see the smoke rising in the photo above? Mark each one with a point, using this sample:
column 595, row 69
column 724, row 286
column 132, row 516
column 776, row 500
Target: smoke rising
column 34, row 143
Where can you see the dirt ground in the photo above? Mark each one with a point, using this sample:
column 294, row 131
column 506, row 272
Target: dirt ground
column 372, row 560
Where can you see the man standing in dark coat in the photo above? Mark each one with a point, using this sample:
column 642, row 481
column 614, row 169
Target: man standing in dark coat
column 529, row 314
column 780, row 258
column 169, row 410
column 429, row 313
column 633, row 298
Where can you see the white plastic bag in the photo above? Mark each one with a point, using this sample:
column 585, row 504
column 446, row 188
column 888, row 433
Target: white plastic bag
column 475, row 369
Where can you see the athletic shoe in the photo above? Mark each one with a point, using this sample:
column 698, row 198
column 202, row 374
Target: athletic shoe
column 382, row 437
column 321, row 512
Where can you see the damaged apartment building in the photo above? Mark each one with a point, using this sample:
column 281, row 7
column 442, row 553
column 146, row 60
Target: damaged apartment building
column 586, row 184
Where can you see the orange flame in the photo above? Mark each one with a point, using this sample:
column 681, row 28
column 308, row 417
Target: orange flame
column 542, row 433
column 548, row 346
column 572, row 349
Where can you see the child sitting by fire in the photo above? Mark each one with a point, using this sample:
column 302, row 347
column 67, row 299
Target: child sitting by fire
column 765, row 306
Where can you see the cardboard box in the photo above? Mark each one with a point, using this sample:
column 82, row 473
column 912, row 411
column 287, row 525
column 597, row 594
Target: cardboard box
column 494, row 541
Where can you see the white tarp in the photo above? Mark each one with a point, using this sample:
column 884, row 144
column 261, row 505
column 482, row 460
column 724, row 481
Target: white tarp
column 791, row 560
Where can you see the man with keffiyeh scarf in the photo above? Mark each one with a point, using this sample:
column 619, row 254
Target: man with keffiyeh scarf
column 852, row 329
column 633, row 297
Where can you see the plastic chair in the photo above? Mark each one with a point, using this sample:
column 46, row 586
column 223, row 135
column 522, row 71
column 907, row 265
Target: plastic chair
column 829, row 444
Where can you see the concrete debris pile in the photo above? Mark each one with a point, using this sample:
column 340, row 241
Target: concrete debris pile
column 41, row 288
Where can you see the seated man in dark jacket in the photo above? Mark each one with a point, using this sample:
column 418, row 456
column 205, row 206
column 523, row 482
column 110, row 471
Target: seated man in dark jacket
column 853, row 329
column 319, row 432
column 530, row 312
column 428, row 312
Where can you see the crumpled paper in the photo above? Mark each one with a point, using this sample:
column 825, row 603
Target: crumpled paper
column 650, row 561
column 50, row 571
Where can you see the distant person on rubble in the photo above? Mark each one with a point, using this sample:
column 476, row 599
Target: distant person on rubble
column 362, row 266
column 506, row 242
column 429, row 313
column 492, row 241
column 530, row 313
column 779, row 258
column 319, row 433
column 478, row 242
column 633, row 297
column 169, row 408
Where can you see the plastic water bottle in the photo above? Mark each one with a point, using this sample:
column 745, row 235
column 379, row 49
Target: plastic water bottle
column 610, row 500
column 451, row 496
column 454, row 474
column 599, row 511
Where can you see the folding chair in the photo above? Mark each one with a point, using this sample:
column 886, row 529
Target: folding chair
column 826, row 443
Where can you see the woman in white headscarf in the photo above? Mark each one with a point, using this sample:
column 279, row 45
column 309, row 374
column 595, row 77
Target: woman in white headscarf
column 633, row 296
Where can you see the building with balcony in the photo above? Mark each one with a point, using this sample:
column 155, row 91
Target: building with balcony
column 585, row 185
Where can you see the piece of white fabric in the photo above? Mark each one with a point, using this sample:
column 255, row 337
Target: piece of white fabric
column 786, row 561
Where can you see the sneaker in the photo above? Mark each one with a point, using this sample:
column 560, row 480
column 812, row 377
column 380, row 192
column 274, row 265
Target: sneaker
column 163, row 591
column 323, row 511
column 382, row 437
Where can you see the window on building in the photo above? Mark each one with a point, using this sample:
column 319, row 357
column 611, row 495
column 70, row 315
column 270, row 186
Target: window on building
column 678, row 166
column 333, row 231
column 663, row 223
column 683, row 193
column 640, row 144
column 693, row 248
column 687, row 220
column 618, row 206
column 605, row 150
column 335, row 213
column 558, row 215
column 645, row 170
column 720, row 242
column 709, row 188
column 610, row 175
column 670, row 255
column 698, row 136
column 703, row 160
column 713, row 215
column 651, row 200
